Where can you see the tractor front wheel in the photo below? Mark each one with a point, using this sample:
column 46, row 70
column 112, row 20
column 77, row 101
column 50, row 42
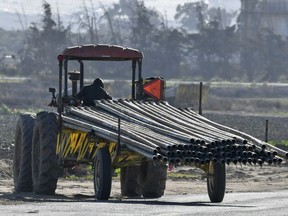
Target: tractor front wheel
column 102, row 174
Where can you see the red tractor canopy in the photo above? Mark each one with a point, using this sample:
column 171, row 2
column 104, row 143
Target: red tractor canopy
column 101, row 52
column 98, row 52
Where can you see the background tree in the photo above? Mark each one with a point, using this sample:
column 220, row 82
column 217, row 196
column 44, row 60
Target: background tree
column 194, row 15
column 188, row 15
column 249, row 27
column 212, row 51
column 203, row 48
column 169, row 52
column 274, row 56
column 10, row 41
column 43, row 44
column 87, row 22
column 210, row 47
column 267, row 54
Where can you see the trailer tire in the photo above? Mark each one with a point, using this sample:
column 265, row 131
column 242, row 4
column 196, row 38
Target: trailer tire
column 216, row 182
column 45, row 170
column 102, row 174
column 22, row 171
column 155, row 175
column 131, row 182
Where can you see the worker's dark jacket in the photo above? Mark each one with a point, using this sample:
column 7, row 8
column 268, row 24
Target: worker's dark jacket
column 92, row 92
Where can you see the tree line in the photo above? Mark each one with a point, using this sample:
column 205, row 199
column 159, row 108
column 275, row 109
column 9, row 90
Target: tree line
column 203, row 47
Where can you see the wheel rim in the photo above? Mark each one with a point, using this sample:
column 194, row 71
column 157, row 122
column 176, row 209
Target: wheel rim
column 97, row 174
column 211, row 176
column 102, row 174
column 216, row 181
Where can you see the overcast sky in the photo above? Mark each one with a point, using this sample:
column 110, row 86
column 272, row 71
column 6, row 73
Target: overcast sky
column 65, row 7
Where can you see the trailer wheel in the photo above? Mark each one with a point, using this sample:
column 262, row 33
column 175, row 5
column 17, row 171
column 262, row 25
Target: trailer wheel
column 45, row 170
column 131, row 181
column 155, row 179
column 216, row 182
column 102, row 174
column 22, row 153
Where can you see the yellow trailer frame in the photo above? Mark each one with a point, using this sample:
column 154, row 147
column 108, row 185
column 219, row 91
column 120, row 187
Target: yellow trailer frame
column 82, row 147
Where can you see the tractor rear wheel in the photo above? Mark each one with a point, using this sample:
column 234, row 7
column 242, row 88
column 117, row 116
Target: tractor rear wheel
column 45, row 170
column 22, row 153
column 216, row 181
column 102, row 174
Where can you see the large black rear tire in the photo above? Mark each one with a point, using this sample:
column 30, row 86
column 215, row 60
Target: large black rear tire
column 45, row 170
column 102, row 174
column 22, row 153
column 148, row 180
column 131, row 181
column 216, row 182
column 155, row 180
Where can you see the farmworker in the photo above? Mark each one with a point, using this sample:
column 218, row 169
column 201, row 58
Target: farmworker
column 92, row 92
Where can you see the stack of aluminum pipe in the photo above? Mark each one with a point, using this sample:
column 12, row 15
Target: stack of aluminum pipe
column 160, row 131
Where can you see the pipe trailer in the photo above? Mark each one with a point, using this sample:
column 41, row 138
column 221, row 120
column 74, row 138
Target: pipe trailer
column 140, row 135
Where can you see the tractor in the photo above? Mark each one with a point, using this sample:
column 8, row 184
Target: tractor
column 48, row 142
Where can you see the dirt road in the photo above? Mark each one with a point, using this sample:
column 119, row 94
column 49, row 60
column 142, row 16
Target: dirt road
column 236, row 204
column 239, row 179
column 182, row 198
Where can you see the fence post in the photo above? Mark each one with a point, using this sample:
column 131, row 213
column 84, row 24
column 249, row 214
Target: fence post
column 266, row 131
column 200, row 99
